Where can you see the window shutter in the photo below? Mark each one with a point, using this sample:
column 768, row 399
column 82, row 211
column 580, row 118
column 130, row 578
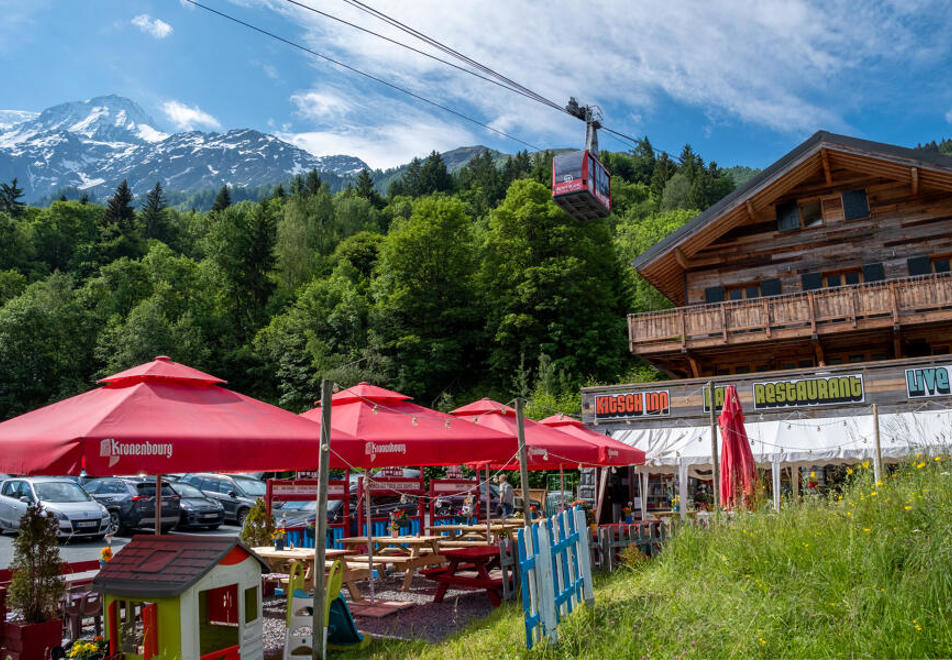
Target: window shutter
column 713, row 294
column 873, row 272
column 919, row 265
column 788, row 216
column 855, row 204
column 811, row 281
column 770, row 287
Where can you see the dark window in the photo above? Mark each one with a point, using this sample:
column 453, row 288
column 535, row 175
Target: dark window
column 855, row 204
column 834, row 280
column 852, row 277
column 811, row 281
column 940, row 265
column 788, row 216
column 873, row 272
column 857, row 358
column 713, row 294
column 742, row 370
column 568, row 167
column 735, row 294
column 789, row 365
column 805, row 363
column 835, row 360
column 721, row 371
column 919, row 265
column 752, row 291
column 762, row 367
column 9, row 488
column 770, row 287
column 810, row 214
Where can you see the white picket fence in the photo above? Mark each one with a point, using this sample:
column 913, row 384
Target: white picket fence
column 556, row 572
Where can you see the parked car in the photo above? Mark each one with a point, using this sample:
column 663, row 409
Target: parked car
column 236, row 493
column 198, row 510
column 78, row 514
column 131, row 503
column 301, row 513
column 450, row 505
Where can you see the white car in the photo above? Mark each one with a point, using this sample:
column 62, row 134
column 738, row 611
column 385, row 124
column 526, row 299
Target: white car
column 79, row 515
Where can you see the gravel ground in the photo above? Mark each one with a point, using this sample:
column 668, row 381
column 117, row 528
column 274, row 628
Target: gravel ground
column 427, row 620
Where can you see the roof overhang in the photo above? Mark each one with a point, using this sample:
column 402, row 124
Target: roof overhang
column 664, row 263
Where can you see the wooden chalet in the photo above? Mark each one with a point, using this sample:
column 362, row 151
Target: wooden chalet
column 837, row 253
column 819, row 288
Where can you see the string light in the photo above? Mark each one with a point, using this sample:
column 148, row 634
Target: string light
column 414, row 420
column 447, row 423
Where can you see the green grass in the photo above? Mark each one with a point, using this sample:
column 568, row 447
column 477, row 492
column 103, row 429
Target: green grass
column 867, row 573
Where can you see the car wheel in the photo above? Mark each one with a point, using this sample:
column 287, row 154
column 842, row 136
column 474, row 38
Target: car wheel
column 212, row 528
column 114, row 525
column 240, row 518
column 167, row 528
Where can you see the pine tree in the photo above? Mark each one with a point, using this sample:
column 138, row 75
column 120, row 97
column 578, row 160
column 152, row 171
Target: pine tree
column 153, row 212
column 61, row 198
column 312, row 184
column 278, row 192
column 119, row 209
column 223, row 200
column 10, row 198
column 84, row 199
column 365, row 188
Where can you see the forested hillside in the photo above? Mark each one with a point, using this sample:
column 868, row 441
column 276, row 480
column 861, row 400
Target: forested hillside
column 456, row 285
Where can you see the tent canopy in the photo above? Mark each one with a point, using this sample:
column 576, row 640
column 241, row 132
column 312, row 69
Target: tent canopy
column 158, row 418
column 382, row 428
column 805, row 441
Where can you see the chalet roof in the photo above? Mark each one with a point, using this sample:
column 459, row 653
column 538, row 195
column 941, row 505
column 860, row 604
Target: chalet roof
column 649, row 261
column 164, row 566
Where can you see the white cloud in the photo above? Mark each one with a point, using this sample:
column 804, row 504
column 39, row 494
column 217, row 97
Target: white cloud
column 321, row 105
column 788, row 65
column 948, row 116
column 188, row 118
column 152, row 26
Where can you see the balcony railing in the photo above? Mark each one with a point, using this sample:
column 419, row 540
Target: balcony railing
column 897, row 302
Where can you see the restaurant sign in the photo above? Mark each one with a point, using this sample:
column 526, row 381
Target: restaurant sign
column 809, row 392
column 652, row 403
column 928, row 381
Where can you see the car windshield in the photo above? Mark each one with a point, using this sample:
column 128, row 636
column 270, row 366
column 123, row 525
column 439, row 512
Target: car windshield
column 187, row 491
column 252, row 487
column 60, row 491
column 300, row 505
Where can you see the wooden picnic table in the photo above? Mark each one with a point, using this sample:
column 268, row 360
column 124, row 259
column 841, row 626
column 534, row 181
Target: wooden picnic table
column 408, row 553
column 83, row 578
column 461, row 532
column 478, row 559
column 279, row 561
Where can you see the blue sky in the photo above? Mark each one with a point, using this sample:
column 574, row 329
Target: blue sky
column 741, row 81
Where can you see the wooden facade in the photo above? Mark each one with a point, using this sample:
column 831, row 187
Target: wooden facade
column 837, row 253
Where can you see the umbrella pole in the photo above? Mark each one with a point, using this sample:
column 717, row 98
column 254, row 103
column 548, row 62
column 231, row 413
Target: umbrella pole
column 370, row 536
column 523, row 465
column 488, row 512
column 158, row 504
column 561, row 488
column 318, row 630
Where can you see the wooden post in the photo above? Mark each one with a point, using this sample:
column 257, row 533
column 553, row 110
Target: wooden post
column 600, row 498
column 318, row 631
column 878, row 456
column 716, row 472
column 795, row 480
column 488, row 512
column 645, row 478
column 775, row 482
column 523, row 464
column 158, row 504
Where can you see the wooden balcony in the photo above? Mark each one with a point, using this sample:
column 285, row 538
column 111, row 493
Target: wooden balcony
column 889, row 303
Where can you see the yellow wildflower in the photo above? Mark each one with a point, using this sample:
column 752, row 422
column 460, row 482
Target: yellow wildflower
column 849, row 470
column 867, row 529
column 763, row 642
column 938, row 458
column 812, row 474
column 879, row 483
column 908, row 507
column 865, row 465
column 874, row 494
column 919, row 466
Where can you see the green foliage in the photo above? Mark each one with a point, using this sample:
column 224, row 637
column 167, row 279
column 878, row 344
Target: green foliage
column 37, row 584
column 424, row 318
column 222, row 200
column 10, row 202
column 258, row 526
column 552, row 288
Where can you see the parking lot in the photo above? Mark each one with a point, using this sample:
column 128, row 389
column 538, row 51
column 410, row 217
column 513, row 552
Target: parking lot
column 87, row 550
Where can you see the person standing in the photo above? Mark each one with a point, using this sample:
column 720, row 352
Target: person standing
column 506, row 496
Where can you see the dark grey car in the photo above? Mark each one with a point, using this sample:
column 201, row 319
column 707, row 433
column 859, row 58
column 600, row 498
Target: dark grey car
column 78, row 515
column 131, row 502
column 198, row 510
column 236, row 494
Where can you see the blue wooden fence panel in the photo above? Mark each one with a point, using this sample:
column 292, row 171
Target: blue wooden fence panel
column 527, row 565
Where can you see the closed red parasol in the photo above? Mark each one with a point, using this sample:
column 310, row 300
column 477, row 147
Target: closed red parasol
column 383, row 428
column 611, row 451
column 546, row 447
column 738, row 470
column 157, row 418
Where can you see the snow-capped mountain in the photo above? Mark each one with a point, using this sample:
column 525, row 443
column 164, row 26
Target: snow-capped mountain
column 94, row 144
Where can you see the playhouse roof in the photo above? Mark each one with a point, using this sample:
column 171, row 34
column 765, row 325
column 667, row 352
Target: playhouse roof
column 166, row 566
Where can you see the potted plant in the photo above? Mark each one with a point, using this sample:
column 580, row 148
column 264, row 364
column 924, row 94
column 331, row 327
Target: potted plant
column 104, row 556
column 36, row 588
column 82, row 650
column 277, row 536
column 258, row 527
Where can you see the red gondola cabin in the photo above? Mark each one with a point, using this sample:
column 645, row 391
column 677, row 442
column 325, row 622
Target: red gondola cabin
column 581, row 185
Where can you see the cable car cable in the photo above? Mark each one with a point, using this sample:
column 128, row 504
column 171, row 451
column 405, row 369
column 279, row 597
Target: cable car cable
column 451, row 51
column 410, row 48
column 362, row 73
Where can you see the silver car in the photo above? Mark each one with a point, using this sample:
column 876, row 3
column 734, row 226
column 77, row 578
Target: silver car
column 79, row 515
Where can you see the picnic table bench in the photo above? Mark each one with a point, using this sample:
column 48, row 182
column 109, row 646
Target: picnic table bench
column 468, row 567
column 407, row 553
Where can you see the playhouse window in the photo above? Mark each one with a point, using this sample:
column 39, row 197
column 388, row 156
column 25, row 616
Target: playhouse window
column 132, row 626
column 251, row 604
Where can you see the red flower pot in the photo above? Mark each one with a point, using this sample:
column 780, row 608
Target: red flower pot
column 32, row 640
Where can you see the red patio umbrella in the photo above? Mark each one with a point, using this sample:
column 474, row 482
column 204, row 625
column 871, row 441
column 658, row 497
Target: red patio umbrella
column 157, row 418
column 546, row 447
column 611, row 451
column 738, row 470
column 383, row 428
